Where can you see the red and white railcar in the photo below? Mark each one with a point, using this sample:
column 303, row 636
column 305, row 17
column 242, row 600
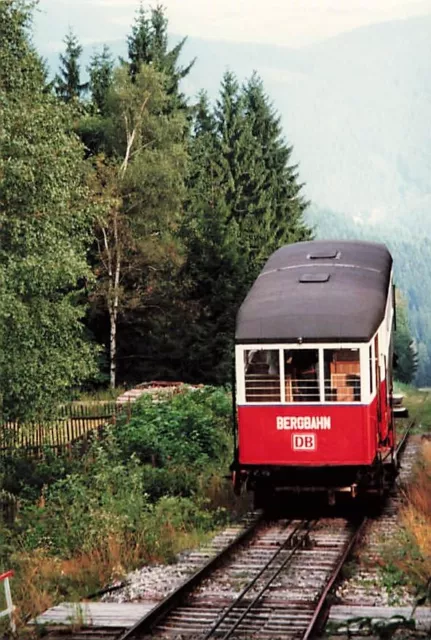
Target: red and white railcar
column 314, row 371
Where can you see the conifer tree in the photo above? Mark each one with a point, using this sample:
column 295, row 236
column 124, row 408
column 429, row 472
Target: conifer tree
column 20, row 66
column 68, row 84
column 244, row 202
column 406, row 353
column 148, row 44
column 101, row 70
column 282, row 217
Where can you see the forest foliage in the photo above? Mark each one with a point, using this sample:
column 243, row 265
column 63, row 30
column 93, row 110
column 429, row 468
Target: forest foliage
column 132, row 220
column 46, row 222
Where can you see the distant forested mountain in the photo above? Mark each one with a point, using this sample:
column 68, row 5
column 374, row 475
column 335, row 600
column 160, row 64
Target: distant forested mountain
column 411, row 251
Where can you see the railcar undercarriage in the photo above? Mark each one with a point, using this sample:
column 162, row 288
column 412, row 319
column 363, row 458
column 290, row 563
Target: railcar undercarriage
column 270, row 483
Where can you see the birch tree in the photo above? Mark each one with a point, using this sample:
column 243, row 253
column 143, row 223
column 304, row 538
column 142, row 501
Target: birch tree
column 139, row 194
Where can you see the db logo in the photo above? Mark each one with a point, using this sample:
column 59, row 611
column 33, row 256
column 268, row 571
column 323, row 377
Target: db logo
column 304, row 442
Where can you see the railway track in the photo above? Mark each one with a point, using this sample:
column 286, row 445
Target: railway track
column 275, row 587
column 271, row 582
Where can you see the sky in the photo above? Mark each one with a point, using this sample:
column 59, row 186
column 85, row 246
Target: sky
column 292, row 23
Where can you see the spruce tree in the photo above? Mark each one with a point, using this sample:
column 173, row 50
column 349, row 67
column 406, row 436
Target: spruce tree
column 20, row 66
column 68, row 84
column 101, row 71
column 283, row 219
column 406, row 352
column 139, row 42
column 244, row 202
column 192, row 333
column 148, row 44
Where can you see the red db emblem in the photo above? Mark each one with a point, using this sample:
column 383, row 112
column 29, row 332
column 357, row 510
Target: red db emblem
column 304, row 441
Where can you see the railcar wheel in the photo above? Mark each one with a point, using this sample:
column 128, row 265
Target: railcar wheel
column 264, row 497
column 237, row 482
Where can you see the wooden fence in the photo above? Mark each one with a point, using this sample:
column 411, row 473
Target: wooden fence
column 72, row 423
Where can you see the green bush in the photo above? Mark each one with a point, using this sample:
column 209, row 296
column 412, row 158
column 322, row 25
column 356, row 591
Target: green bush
column 145, row 491
column 70, row 505
column 191, row 429
column 25, row 477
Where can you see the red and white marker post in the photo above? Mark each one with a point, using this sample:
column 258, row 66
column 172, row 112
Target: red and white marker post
column 4, row 577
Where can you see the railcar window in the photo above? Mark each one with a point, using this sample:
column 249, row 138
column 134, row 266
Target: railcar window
column 342, row 375
column 301, row 370
column 262, row 375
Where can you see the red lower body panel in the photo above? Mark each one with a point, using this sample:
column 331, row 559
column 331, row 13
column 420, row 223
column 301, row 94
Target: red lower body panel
column 309, row 435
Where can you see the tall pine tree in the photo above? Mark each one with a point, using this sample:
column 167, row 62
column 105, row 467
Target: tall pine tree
column 244, row 202
column 68, row 85
column 148, row 44
column 406, row 352
column 286, row 202
column 101, row 71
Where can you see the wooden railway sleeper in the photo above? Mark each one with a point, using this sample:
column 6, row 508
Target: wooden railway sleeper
column 299, row 541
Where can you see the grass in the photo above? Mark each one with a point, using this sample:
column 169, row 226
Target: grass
column 406, row 562
column 416, row 517
column 101, row 395
column 43, row 580
column 419, row 405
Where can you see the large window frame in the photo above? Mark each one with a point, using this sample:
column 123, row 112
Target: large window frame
column 364, row 354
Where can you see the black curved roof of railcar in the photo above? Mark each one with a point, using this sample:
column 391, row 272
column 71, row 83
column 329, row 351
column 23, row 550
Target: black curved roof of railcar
column 320, row 291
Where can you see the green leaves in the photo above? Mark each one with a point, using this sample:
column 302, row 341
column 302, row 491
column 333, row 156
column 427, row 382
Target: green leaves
column 139, row 187
column 45, row 226
column 190, row 429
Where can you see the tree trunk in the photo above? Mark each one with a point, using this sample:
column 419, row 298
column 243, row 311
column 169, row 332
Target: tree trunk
column 112, row 347
column 113, row 266
column 113, row 312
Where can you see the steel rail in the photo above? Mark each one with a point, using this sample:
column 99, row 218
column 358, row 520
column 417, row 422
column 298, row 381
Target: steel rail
column 403, row 440
column 153, row 617
column 317, row 618
column 252, row 582
column 309, row 525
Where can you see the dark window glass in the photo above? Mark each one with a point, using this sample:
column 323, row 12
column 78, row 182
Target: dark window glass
column 301, row 370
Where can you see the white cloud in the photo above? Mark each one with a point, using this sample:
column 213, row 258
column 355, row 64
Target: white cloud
column 287, row 22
